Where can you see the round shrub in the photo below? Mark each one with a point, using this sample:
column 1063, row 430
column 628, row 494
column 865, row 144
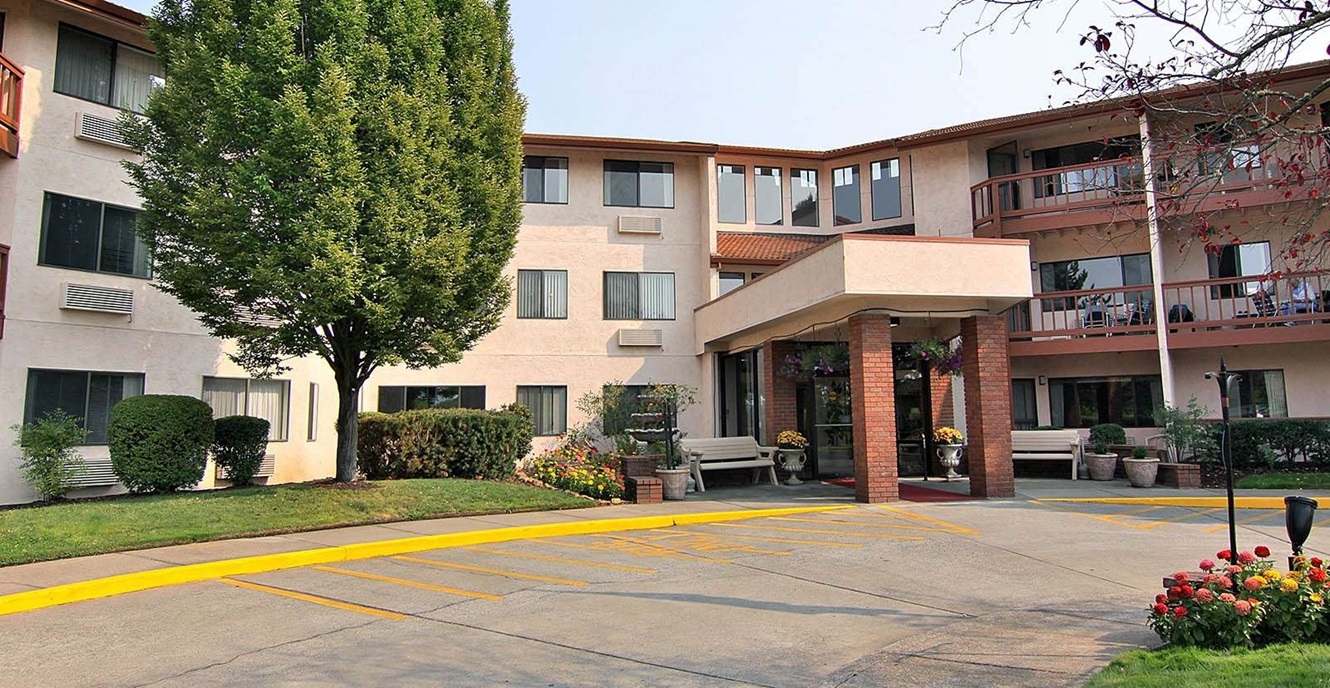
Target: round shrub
column 238, row 446
column 159, row 442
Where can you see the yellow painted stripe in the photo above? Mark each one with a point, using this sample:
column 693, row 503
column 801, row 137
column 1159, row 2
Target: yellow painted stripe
column 493, row 572
column 1106, row 518
column 410, row 583
column 1242, row 522
column 564, row 560
column 662, row 552
column 1155, row 523
column 856, row 524
column 1195, row 502
column 30, row 600
column 781, row 540
column 959, row 529
column 819, row 531
column 685, row 555
column 306, row 597
column 708, row 542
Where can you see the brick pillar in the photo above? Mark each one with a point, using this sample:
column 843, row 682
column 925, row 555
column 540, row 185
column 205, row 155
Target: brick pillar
column 780, row 408
column 873, row 395
column 988, row 405
column 943, row 413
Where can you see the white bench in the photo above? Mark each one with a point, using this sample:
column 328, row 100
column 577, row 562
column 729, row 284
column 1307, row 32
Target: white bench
column 728, row 452
column 1047, row 445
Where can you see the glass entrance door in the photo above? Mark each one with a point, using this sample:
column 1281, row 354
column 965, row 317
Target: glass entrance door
column 832, row 436
column 913, row 415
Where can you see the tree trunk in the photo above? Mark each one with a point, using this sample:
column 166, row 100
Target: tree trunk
column 348, row 411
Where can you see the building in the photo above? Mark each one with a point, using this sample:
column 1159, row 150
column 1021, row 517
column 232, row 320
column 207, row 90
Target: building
column 701, row 264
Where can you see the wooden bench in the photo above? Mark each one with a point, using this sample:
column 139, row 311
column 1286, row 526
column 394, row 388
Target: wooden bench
column 728, row 452
column 1047, row 445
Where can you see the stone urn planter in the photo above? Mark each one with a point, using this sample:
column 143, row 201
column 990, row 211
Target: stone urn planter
column 673, row 482
column 949, row 455
column 1141, row 472
column 792, row 460
column 1102, row 466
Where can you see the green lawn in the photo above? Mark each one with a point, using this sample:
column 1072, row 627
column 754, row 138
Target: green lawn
column 74, row 529
column 1277, row 480
column 1277, row 666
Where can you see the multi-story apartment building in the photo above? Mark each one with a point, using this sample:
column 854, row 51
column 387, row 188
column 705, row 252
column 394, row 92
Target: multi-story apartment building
column 690, row 263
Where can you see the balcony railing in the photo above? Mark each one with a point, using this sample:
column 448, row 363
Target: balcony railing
column 1248, row 302
column 1084, row 313
column 11, row 98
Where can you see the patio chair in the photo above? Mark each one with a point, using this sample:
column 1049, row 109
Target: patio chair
column 1263, row 306
column 1095, row 316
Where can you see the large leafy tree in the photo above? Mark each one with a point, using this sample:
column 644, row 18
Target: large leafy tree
column 334, row 178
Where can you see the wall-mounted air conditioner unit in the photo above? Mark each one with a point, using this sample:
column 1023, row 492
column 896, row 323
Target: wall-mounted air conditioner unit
column 633, row 337
column 639, row 224
column 86, row 297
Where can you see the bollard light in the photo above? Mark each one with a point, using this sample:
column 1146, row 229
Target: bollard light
column 1298, row 515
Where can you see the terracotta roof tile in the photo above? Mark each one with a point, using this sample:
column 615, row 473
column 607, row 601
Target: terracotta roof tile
column 739, row 247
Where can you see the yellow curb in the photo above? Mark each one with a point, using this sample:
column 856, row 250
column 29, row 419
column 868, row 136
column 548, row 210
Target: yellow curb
column 1195, row 502
column 193, row 573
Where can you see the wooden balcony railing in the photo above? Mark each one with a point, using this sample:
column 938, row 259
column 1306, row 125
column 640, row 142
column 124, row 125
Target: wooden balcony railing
column 1084, row 313
column 11, row 98
column 1248, row 302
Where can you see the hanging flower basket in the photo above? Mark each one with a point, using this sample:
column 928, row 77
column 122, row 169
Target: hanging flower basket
column 939, row 355
column 816, row 361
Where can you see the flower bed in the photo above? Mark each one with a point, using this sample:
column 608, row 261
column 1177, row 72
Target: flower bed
column 1247, row 604
column 579, row 467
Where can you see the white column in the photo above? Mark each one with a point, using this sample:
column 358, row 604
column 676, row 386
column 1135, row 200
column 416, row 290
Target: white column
column 1156, row 261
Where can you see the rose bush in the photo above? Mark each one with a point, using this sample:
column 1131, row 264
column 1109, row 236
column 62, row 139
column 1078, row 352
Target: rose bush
column 577, row 466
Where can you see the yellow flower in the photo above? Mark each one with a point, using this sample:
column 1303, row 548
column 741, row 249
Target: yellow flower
column 1295, row 575
column 1316, row 597
column 1289, row 585
column 1272, row 575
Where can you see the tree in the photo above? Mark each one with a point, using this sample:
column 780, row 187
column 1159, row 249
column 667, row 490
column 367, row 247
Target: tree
column 1224, row 103
column 334, row 179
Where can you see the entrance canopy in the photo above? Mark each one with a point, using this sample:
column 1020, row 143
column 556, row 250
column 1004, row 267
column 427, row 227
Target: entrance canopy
column 906, row 277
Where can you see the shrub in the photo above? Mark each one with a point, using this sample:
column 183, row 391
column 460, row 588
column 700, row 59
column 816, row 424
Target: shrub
column 1186, row 432
column 1105, row 434
column 49, row 462
column 160, row 442
column 1271, row 443
column 577, row 466
column 441, row 443
column 238, row 446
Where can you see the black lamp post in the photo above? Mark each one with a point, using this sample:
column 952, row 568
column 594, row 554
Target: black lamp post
column 1298, row 514
column 1224, row 378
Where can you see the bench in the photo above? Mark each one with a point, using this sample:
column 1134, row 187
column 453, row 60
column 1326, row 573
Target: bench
column 728, row 452
column 1047, row 445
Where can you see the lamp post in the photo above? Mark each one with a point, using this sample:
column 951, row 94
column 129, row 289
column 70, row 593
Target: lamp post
column 1225, row 378
column 1298, row 514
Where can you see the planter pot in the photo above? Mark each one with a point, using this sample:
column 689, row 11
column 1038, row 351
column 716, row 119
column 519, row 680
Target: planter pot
column 792, row 460
column 673, row 482
column 1141, row 472
column 949, row 455
column 1102, row 465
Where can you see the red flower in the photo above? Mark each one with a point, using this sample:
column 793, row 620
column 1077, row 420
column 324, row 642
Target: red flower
column 1161, row 609
column 1181, row 577
column 1179, row 611
column 1318, row 575
column 1161, row 598
column 1175, row 592
column 1262, row 551
column 1225, row 554
column 1186, row 591
column 1316, row 561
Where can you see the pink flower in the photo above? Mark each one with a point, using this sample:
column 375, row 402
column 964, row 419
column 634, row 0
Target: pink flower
column 1242, row 607
column 1246, row 558
column 1254, row 583
column 1207, row 564
column 1210, row 578
column 1227, row 597
column 1181, row 577
column 1205, row 596
column 1225, row 582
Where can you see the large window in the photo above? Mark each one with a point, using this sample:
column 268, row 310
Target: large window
column 639, row 184
column 88, row 235
column 266, row 399
column 1239, row 260
column 542, row 294
column 393, row 399
column 1024, row 412
column 549, row 407
column 1225, row 153
column 740, row 391
column 729, row 281
column 768, row 208
column 639, row 296
column 99, row 69
column 1113, row 174
column 1259, row 394
column 732, row 205
column 886, row 186
column 803, row 198
column 845, row 201
column 544, row 179
column 1088, row 401
column 1108, row 272
column 87, row 396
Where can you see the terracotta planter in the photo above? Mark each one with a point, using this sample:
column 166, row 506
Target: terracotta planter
column 1141, row 472
column 1102, row 466
column 673, row 482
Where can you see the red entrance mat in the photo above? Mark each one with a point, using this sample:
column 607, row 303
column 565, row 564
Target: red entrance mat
column 912, row 493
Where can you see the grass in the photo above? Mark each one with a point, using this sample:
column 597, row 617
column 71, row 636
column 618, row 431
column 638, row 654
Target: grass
column 73, row 529
column 1278, row 480
column 1274, row 666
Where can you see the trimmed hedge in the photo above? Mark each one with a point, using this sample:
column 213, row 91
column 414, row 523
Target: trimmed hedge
column 159, row 442
column 239, row 445
column 443, row 443
column 1271, row 443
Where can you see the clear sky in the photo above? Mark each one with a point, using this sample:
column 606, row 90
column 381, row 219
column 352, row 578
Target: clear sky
column 783, row 73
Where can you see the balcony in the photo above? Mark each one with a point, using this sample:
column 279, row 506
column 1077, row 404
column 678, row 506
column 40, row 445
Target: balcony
column 1231, row 311
column 11, row 97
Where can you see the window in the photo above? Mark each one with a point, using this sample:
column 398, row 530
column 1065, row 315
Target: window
column 4, row 280
column 731, row 204
column 87, row 235
column 1085, row 402
column 729, row 281
column 1223, row 153
column 886, row 186
column 1023, row 410
column 1109, row 272
column 542, row 294
column 639, row 296
column 845, row 203
column 394, row 399
column 1259, row 394
column 769, row 210
column 740, row 392
column 544, row 179
column 99, row 69
column 238, row 396
column 639, row 184
column 1239, row 260
column 803, row 198
column 1107, row 176
column 312, row 429
column 549, row 407
column 84, row 395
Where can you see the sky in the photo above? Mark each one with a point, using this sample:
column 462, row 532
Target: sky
column 813, row 74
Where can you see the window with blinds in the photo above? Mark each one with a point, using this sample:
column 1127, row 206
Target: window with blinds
column 639, row 296
column 542, row 294
column 89, row 235
column 87, row 396
column 104, row 71
column 266, row 399
column 397, row 398
column 549, row 407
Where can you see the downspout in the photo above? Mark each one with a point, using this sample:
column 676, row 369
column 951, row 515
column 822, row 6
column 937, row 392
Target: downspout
column 1156, row 261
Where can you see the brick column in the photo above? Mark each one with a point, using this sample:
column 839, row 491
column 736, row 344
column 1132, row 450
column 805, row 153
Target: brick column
column 780, row 408
column 943, row 413
column 873, row 395
column 988, row 405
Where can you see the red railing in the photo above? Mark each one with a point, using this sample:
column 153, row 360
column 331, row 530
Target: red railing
column 1250, row 301
column 1085, row 313
column 11, row 100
